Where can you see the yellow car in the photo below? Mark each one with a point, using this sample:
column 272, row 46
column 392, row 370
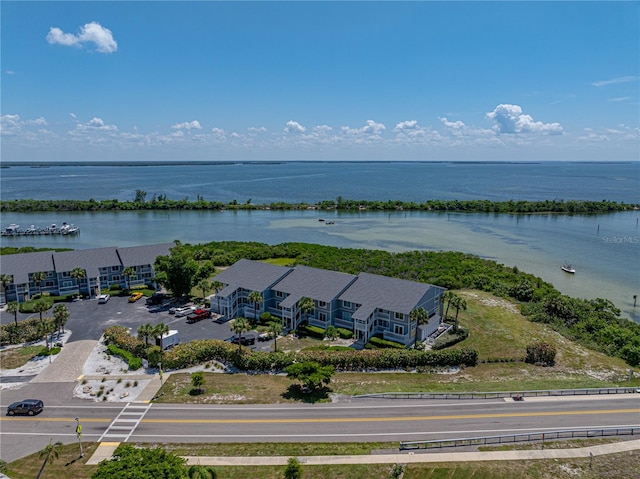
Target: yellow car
column 135, row 297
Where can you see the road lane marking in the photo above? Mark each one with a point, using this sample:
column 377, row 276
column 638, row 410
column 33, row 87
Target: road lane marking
column 389, row 419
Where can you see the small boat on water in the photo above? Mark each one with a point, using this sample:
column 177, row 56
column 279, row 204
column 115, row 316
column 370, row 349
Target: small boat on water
column 567, row 268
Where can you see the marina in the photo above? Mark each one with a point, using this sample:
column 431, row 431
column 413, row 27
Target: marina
column 53, row 229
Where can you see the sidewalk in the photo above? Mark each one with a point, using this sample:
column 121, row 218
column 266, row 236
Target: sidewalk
column 105, row 450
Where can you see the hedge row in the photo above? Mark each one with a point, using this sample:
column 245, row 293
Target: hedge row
column 450, row 338
column 200, row 351
column 378, row 342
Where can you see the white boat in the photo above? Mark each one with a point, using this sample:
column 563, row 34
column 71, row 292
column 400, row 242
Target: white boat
column 568, row 268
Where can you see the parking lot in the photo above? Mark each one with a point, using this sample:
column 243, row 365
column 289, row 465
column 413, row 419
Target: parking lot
column 88, row 319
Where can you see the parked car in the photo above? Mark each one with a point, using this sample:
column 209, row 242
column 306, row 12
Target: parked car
column 135, row 297
column 198, row 315
column 30, row 407
column 264, row 336
column 184, row 311
column 103, row 298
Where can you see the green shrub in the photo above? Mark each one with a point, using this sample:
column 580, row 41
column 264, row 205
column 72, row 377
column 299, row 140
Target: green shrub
column 331, row 332
column 450, row 338
column 541, row 353
column 313, row 331
column 378, row 342
column 345, row 333
column 133, row 361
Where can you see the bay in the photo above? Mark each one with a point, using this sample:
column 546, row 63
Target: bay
column 604, row 249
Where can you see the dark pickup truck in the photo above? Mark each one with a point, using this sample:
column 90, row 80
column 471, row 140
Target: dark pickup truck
column 248, row 338
column 198, row 315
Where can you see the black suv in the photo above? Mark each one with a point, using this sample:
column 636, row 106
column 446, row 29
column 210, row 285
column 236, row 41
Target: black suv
column 26, row 406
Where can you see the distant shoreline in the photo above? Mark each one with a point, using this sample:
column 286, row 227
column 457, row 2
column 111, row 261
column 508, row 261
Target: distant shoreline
column 162, row 203
column 44, row 164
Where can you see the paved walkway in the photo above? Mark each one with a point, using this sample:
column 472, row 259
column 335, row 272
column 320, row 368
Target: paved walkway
column 105, row 451
column 67, row 367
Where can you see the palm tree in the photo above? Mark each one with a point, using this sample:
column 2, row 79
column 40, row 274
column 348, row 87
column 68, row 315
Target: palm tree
column 5, row 281
column 41, row 306
column 307, row 306
column 275, row 329
column 204, row 285
column 61, row 314
column 447, row 297
column 145, row 331
column 420, row 316
column 201, row 472
column 78, row 273
column 239, row 326
column 217, row 285
column 12, row 308
column 256, row 298
column 128, row 272
column 49, row 453
column 460, row 304
column 38, row 278
column 159, row 330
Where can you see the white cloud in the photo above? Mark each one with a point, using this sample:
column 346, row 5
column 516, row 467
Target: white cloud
column 294, row 127
column 613, row 81
column 372, row 130
column 407, row 125
column 9, row 72
column 510, row 119
column 92, row 32
column 95, row 125
column 257, row 129
column 187, row 125
column 619, row 99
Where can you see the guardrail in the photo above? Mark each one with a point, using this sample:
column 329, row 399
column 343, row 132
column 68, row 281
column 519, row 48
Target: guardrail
column 525, row 437
column 499, row 394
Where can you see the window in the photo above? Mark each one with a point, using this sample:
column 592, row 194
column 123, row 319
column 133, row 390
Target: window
column 66, row 274
column 104, row 279
column 399, row 316
column 383, row 323
column 322, row 317
column 67, row 284
column 48, row 284
column 322, row 304
column 398, row 330
column 279, row 294
column 115, row 268
column 346, row 304
column 115, row 278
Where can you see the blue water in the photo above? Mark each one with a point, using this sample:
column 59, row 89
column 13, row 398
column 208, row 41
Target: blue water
column 605, row 249
column 316, row 181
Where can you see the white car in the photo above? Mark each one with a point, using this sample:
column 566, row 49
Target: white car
column 103, row 298
column 184, row 311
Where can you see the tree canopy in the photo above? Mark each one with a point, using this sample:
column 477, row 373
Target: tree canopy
column 130, row 462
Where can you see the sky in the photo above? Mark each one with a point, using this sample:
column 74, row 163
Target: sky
column 328, row 80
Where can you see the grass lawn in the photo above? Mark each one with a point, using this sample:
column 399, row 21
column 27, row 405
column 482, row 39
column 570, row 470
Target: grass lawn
column 69, row 466
column 15, row 357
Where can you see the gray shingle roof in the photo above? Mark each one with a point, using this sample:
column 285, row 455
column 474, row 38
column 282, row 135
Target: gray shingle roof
column 318, row 284
column 88, row 259
column 142, row 255
column 392, row 294
column 20, row 265
column 252, row 275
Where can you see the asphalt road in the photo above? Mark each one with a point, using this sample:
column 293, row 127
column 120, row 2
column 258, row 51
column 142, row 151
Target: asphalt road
column 365, row 421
